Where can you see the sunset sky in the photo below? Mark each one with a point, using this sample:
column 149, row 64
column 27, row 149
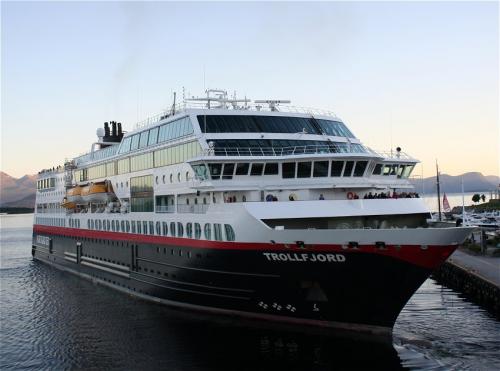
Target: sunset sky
column 420, row 75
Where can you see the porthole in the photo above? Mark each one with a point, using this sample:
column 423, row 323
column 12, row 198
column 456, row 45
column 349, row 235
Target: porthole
column 122, row 184
column 179, row 177
column 171, row 178
column 187, row 176
column 156, row 179
column 163, row 179
column 126, row 183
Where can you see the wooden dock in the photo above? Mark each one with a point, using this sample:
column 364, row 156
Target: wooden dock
column 476, row 277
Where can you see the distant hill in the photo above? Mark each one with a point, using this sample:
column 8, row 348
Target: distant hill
column 473, row 182
column 17, row 192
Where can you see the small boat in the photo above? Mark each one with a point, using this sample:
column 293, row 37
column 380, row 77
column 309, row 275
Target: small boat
column 97, row 192
column 68, row 204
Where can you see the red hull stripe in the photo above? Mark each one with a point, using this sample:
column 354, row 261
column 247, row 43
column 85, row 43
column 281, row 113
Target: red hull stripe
column 430, row 258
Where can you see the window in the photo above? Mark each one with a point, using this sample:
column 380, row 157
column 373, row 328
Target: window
column 377, row 170
column 359, row 170
column 304, row 170
column 127, row 225
column 271, row 168
column 172, row 229
column 135, row 142
column 407, row 171
column 242, row 168
column 141, row 194
column 113, row 225
column 217, row 232
column 288, row 170
column 229, row 232
column 334, row 128
column 180, row 229
column 348, row 168
column 143, row 139
column 139, row 227
column 123, row 225
column 197, row 231
column 164, row 228
column 144, row 227
column 320, row 169
column 189, row 230
column 394, row 169
column 337, row 167
column 133, row 226
column 151, row 227
column 215, row 170
column 257, row 169
column 228, row 171
column 387, row 169
column 153, row 136
column 208, row 231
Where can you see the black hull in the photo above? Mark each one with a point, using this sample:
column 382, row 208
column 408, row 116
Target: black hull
column 351, row 290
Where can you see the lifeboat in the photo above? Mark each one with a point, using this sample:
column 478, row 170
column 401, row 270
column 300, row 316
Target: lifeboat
column 68, row 204
column 97, row 192
column 74, row 194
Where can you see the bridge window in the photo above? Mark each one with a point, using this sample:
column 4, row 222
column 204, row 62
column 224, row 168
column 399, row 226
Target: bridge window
column 228, row 171
column 304, row 170
column 242, row 168
column 215, row 170
column 359, row 170
column 320, row 169
column 256, row 169
column 337, row 167
column 288, row 170
column 271, row 168
column 348, row 168
column 377, row 170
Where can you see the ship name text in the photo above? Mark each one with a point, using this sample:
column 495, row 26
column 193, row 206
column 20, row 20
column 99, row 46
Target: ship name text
column 305, row 257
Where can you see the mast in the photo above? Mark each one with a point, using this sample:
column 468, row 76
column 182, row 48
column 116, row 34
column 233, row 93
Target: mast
column 463, row 202
column 438, row 191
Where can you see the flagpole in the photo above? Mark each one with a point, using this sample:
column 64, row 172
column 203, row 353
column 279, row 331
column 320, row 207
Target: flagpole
column 463, row 202
column 438, row 191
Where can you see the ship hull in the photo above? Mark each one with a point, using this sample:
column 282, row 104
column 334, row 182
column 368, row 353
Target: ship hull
column 362, row 288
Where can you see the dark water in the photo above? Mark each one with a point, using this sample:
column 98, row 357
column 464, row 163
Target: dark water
column 53, row 320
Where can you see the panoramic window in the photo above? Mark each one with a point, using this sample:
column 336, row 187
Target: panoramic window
column 208, row 231
column 215, row 170
column 288, row 170
column 143, row 139
column 337, row 167
column 153, row 136
column 334, row 128
column 320, row 169
column 135, row 142
column 141, row 194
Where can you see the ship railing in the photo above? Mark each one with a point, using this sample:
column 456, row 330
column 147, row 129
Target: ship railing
column 393, row 155
column 192, row 209
column 165, row 209
column 288, row 151
column 252, row 107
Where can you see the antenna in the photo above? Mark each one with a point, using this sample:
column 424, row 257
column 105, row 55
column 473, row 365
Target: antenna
column 173, row 104
column 272, row 103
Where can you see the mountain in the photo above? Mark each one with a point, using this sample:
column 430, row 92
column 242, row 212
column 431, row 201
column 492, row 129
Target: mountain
column 473, row 182
column 17, row 192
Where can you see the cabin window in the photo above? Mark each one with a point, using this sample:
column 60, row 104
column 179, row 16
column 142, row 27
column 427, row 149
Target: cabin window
column 228, row 171
column 164, row 228
column 304, row 170
column 242, row 168
column 189, row 230
column 144, row 227
column 127, row 225
column 172, row 229
column 288, row 170
column 320, row 169
column 230, row 236
column 256, row 169
column 180, row 229
column 217, row 232
column 377, row 170
column 197, row 231
column 123, row 225
column 348, row 168
column 139, row 227
column 359, row 170
column 215, row 170
column 271, row 168
column 158, row 228
column 337, row 167
column 133, row 226
column 208, row 231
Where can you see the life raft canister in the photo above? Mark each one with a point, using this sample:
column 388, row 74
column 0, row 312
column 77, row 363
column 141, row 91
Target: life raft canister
column 350, row 195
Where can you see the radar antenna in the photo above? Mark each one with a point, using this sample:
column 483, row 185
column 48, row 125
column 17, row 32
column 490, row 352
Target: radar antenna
column 221, row 99
column 273, row 103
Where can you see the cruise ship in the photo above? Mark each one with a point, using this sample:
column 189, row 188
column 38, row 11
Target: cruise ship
column 254, row 209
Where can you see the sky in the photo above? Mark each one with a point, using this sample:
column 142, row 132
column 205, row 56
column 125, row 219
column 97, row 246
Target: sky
column 423, row 76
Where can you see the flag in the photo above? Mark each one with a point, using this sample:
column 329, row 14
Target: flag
column 446, row 204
